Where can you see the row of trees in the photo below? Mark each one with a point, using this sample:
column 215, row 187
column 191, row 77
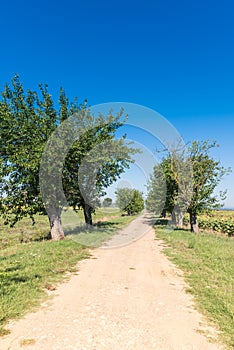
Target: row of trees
column 43, row 147
column 51, row 157
column 185, row 181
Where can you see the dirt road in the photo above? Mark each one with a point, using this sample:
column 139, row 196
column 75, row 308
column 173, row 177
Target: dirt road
column 128, row 298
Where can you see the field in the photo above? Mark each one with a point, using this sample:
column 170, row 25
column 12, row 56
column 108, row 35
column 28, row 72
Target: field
column 218, row 220
column 31, row 265
column 207, row 260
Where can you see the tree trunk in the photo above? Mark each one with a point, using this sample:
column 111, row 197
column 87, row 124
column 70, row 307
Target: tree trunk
column 56, row 229
column 88, row 214
column 179, row 219
column 193, row 223
column 173, row 218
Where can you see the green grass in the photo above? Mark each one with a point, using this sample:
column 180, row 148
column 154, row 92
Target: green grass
column 100, row 232
column 30, row 264
column 27, row 269
column 208, row 262
column 24, row 232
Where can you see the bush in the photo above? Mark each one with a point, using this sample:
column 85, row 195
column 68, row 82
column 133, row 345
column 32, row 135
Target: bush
column 130, row 200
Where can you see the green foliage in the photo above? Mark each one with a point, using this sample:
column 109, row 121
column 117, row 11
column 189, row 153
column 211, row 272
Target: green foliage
column 129, row 200
column 224, row 226
column 207, row 174
column 93, row 162
column 155, row 201
column 107, row 202
column 96, row 157
column 26, row 122
column 191, row 176
column 219, row 221
column 162, row 188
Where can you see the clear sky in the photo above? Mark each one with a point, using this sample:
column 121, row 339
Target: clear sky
column 176, row 57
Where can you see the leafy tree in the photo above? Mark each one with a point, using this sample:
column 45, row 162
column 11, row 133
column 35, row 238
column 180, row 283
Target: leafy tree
column 187, row 189
column 129, row 200
column 161, row 188
column 96, row 157
column 107, row 202
column 32, row 128
column 26, row 123
column 207, row 174
column 167, row 188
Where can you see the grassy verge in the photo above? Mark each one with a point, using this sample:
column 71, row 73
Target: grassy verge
column 30, row 264
column 26, row 270
column 208, row 263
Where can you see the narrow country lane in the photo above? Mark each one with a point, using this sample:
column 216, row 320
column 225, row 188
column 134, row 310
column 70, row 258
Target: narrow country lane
column 127, row 298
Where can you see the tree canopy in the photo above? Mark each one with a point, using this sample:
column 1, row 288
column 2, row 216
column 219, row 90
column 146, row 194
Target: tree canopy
column 129, row 200
column 33, row 138
column 174, row 189
column 107, row 202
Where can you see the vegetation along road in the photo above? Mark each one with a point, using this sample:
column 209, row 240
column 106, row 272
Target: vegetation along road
column 129, row 297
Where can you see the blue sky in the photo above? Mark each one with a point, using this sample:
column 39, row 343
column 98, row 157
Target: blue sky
column 176, row 57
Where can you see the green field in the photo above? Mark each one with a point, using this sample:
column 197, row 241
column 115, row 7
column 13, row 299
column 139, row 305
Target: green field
column 208, row 262
column 30, row 264
column 217, row 220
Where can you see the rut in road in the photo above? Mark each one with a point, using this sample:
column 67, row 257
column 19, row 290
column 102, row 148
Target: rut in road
column 128, row 298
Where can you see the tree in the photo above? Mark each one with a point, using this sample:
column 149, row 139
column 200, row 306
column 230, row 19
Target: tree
column 129, row 200
column 33, row 139
column 107, row 202
column 161, row 188
column 207, row 174
column 187, row 190
column 98, row 158
column 168, row 192
column 26, row 123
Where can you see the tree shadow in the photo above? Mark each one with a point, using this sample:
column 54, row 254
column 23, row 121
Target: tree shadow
column 87, row 229
column 7, row 280
column 13, row 268
column 162, row 222
column 106, row 225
